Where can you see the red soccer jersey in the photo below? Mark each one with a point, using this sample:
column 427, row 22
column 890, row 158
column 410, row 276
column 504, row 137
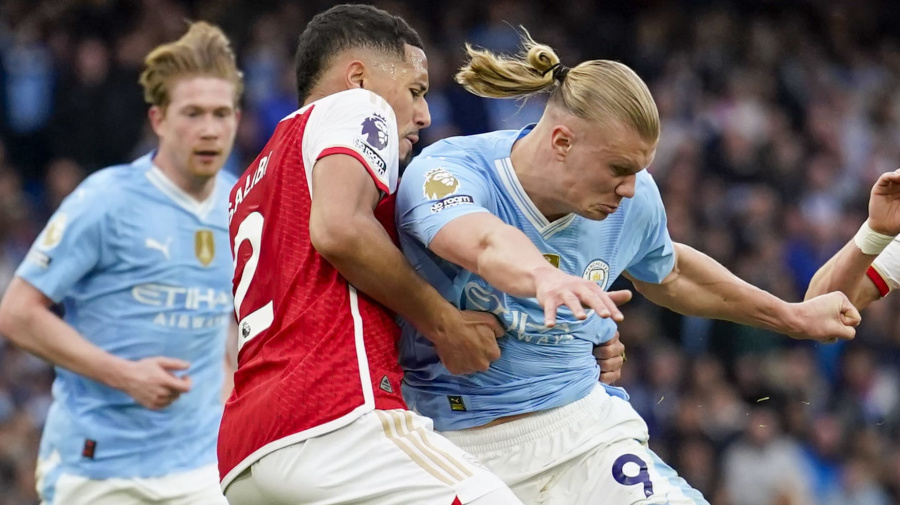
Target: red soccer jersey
column 314, row 354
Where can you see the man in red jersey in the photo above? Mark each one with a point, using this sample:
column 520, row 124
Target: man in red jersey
column 316, row 414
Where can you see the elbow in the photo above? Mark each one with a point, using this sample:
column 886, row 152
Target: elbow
column 817, row 286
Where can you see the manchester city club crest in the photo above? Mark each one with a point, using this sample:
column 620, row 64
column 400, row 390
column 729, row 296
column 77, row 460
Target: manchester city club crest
column 597, row 271
column 375, row 130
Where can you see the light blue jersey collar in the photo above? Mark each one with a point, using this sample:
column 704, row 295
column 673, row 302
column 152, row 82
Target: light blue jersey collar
column 181, row 198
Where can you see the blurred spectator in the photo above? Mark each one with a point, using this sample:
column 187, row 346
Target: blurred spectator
column 765, row 468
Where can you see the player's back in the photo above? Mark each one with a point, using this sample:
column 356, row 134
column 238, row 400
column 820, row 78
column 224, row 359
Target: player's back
column 314, row 353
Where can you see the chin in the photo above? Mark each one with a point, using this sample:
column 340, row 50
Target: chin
column 594, row 215
column 206, row 171
column 405, row 160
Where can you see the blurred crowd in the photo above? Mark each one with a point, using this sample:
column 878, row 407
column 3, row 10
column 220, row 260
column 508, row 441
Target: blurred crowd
column 777, row 119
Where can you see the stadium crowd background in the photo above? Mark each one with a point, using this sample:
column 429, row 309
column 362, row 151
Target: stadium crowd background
column 777, row 119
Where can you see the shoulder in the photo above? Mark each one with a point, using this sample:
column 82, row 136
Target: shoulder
column 473, row 154
column 355, row 102
column 107, row 188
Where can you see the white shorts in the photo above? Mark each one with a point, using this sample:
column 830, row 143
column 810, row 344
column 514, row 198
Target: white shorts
column 194, row 487
column 386, row 457
column 593, row 451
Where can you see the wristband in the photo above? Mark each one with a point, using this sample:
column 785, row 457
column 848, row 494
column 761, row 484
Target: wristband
column 871, row 242
column 887, row 267
column 878, row 280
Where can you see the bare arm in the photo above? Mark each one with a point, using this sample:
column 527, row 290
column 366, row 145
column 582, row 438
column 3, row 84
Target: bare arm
column 506, row 258
column 26, row 320
column 344, row 230
column 846, row 272
column 700, row 286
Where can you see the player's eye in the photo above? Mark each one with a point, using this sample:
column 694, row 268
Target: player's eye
column 416, row 93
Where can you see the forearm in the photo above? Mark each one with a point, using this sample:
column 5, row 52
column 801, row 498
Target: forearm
column 500, row 254
column 510, row 262
column 369, row 260
column 700, row 286
column 39, row 331
column 845, row 272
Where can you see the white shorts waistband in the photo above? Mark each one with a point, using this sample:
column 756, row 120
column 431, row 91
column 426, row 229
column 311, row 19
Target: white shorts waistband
column 595, row 405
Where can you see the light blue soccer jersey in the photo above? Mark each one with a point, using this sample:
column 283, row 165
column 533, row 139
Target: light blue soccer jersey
column 539, row 368
column 142, row 270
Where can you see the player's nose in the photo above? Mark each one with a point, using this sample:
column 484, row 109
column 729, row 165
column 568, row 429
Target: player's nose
column 422, row 116
column 626, row 188
column 210, row 128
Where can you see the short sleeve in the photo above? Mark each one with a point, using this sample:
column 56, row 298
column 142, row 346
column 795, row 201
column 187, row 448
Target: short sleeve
column 656, row 254
column 435, row 191
column 357, row 123
column 70, row 245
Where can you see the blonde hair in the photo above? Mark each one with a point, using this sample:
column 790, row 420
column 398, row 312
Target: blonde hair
column 595, row 90
column 203, row 51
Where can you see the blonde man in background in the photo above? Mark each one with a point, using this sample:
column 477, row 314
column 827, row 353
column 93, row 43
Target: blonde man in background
column 138, row 255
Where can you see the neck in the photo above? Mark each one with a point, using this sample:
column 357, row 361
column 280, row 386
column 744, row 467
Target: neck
column 538, row 174
column 200, row 188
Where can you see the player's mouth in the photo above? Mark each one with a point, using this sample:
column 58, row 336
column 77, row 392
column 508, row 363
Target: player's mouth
column 609, row 209
column 412, row 138
column 207, row 155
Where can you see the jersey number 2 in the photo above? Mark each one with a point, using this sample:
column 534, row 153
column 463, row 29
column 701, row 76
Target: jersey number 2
column 259, row 320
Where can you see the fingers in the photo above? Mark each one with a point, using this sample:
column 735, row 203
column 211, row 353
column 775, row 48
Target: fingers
column 620, row 297
column 849, row 315
column 495, row 326
column 887, row 184
column 487, row 320
column 599, row 300
column 610, row 378
column 171, row 363
column 574, row 303
column 178, row 384
column 844, row 333
column 609, row 350
column 550, row 314
column 160, row 398
column 604, row 304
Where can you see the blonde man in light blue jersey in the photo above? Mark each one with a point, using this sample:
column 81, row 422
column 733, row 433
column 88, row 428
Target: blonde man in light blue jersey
column 486, row 218
column 138, row 255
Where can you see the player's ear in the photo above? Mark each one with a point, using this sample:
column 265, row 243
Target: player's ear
column 355, row 76
column 561, row 141
column 157, row 115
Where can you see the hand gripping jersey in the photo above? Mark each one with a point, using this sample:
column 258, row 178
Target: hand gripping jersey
column 314, row 354
column 539, row 368
column 142, row 270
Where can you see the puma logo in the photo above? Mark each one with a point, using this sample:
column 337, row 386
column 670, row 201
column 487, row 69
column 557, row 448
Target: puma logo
column 153, row 244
